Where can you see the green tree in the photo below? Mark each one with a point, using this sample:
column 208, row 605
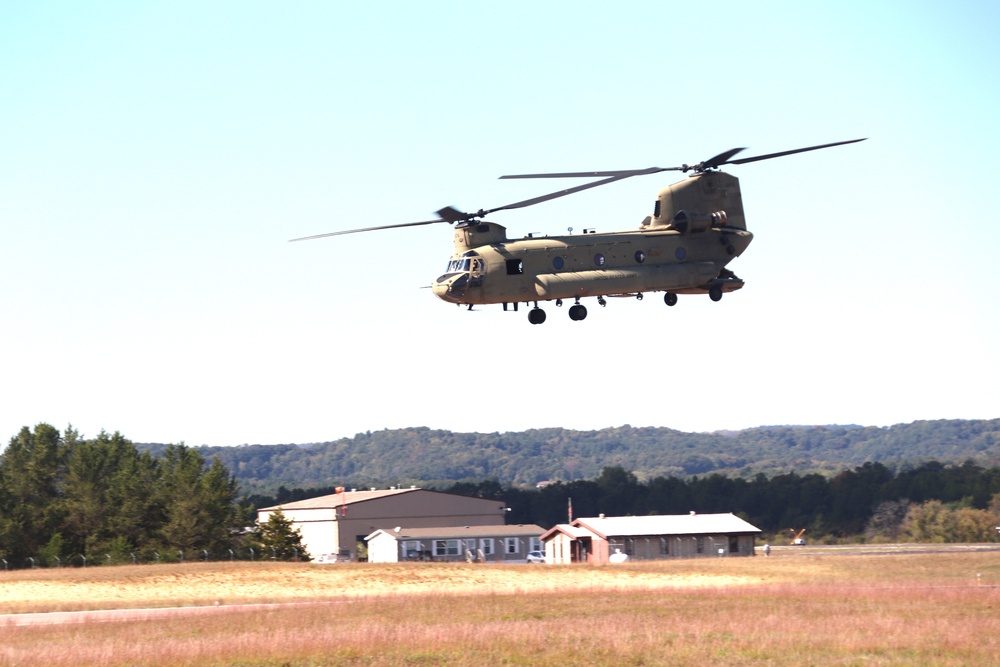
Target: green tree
column 199, row 503
column 933, row 521
column 281, row 539
column 30, row 470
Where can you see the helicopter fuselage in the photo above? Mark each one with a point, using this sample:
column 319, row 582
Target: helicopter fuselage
column 681, row 249
column 609, row 264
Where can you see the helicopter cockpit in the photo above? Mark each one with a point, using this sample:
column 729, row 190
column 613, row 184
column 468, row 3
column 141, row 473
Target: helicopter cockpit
column 463, row 272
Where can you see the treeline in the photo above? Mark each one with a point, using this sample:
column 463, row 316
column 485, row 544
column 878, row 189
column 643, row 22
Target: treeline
column 930, row 502
column 420, row 455
column 66, row 499
column 868, row 502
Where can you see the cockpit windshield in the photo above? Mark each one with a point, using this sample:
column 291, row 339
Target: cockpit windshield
column 469, row 261
column 460, row 265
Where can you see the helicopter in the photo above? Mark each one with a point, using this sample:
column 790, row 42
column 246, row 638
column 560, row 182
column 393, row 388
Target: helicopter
column 697, row 228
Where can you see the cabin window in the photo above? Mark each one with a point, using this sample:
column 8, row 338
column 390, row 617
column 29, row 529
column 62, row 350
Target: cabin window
column 558, row 262
column 656, row 209
column 640, row 256
column 412, row 549
column 446, row 548
column 599, row 259
column 680, row 253
column 515, row 267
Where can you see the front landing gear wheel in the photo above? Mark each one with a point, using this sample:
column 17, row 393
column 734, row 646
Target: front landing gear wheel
column 715, row 293
column 536, row 315
column 577, row 312
column 670, row 299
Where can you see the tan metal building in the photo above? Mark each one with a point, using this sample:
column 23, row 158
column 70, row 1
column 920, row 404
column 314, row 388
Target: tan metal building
column 338, row 523
column 606, row 539
column 480, row 544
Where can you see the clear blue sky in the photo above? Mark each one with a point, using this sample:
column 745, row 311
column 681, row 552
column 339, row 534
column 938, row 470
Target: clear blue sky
column 155, row 158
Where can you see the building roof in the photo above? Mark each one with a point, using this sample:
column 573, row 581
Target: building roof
column 339, row 499
column 462, row 532
column 664, row 524
column 576, row 532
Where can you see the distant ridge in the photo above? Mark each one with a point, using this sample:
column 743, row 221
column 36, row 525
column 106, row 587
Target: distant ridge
column 423, row 455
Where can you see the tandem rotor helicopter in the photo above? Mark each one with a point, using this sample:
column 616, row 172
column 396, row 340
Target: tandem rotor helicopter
column 696, row 229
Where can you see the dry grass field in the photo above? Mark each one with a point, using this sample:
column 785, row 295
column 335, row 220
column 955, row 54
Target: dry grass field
column 913, row 609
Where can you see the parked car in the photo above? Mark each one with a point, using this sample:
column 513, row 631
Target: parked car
column 327, row 559
column 536, row 557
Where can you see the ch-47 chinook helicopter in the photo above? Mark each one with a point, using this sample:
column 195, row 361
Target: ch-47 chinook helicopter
column 696, row 229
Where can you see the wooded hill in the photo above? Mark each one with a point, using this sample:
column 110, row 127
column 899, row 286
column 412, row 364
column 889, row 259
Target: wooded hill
column 425, row 456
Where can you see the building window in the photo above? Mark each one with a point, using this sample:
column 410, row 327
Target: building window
column 664, row 546
column 486, row 545
column 446, row 548
column 700, row 545
column 510, row 545
column 535, row 544
column 629, row 546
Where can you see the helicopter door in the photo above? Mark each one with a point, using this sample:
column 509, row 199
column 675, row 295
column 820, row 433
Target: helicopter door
column 477, row 273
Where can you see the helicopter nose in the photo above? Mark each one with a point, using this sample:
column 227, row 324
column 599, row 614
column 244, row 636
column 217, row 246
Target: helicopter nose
column 451, row 287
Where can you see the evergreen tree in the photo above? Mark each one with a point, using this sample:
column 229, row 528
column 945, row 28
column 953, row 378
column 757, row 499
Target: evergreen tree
column 199, row 505
column 30, row 511
column 280, row 539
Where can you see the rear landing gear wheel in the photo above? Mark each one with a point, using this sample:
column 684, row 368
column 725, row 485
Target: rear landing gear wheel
column 670, row 298
column 577, row 312
column 715, row 293
column 536, row 315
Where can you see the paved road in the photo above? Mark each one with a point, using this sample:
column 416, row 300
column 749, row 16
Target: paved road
column 875, row 549
column 105, row 615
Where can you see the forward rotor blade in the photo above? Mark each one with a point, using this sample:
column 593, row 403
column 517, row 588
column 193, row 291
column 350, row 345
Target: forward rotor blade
column 792, row 152
column 368, row 229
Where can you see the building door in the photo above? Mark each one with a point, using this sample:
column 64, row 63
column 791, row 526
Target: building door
column 581, row 550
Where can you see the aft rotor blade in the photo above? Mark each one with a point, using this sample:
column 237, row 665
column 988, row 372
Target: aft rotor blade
column 596, row 174
column 792, row 152
column 368, row 229
column 721, row 158
column 562, row 193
